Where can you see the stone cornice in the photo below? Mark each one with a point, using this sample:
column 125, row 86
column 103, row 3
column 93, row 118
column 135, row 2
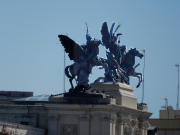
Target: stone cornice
column 145, row 116
column 70, row 107
column 83, row 117
column 110, row 118
column 144, row 125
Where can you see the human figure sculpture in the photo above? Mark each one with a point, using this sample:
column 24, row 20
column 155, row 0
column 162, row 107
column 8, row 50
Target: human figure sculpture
column 118, row 66
column 113, row 67
column 125, row 60
column 113, row 73
column 85, row 58
column 122, row 53
column 110, row 41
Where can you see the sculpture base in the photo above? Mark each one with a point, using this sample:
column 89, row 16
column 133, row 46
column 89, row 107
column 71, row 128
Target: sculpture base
column 72, row 114
column 95, row 119
column 85, row 92
column 123, row 93
column 142, row 106
column 79, row 95
column 82, row 100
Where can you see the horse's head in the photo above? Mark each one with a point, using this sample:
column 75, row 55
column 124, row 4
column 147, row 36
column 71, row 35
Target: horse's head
column 137, row 53
column 97, row 42
column 93, row 44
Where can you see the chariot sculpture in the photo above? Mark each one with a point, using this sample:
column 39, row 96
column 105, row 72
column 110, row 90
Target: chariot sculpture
column 118, row 65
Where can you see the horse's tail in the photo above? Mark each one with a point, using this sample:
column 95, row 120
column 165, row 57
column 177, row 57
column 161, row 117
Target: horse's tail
column 67, row 72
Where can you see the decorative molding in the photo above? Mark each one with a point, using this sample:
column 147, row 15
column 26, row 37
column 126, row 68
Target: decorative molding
column 110, row 118
column 144, row 125
column 119, row 119
column 122, row 120
column 128, row 122
column 105, row 117
column 128, row 130
column 69, row 129
column 113, row 119
column 131, row 126
column 135, row 125
column 53, row 117
column 84, row 117
column 136, row 131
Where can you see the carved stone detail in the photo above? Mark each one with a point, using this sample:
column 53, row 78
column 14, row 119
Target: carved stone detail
column 110, row 118
column 113, row 119
column 136, row 131
column 119, row 120
column 141, row 124
column 69, row 129
column 128, row 122
column 128, row 130
column 131, row 126
column 144, row 125
column 54, row 117
column 84, row 117
column 124, row 120
column 105, row 117
column 135, row 124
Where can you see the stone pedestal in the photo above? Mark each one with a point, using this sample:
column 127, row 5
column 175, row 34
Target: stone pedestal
column 99, row 119
column 81, row 100
column 106, row 116
column 142, row 107
column 123, row 93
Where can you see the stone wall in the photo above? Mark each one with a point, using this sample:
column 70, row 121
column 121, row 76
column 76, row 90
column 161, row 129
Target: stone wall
column 35, row 116
column 100, row 118
column 166, row 126
column 76, row 119
column 19, row 129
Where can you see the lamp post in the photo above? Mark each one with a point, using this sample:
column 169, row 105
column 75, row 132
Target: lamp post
column 177, row 104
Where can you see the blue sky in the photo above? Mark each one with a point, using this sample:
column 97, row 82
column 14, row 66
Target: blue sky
column 31, row 55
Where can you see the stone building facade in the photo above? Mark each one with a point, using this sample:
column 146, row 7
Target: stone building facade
column 168, row 122
column 115, row 116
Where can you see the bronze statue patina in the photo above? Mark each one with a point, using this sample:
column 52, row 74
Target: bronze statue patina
column 85, row 57
column 118, row 65
column 125, row 60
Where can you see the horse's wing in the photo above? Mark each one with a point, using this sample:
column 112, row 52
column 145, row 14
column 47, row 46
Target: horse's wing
column 75, row 50
column 105, row 35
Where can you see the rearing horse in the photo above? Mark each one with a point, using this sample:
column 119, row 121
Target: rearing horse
column 87, row 59
column 128, row 64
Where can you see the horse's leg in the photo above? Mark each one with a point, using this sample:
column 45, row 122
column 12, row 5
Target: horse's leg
column 139, row 74
column 76, row 80
column 70, row 80
column 72, row 76
column 126, row 79
column 140, row 78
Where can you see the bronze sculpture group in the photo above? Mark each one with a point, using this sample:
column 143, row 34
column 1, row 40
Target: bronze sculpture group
column 118, row 66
